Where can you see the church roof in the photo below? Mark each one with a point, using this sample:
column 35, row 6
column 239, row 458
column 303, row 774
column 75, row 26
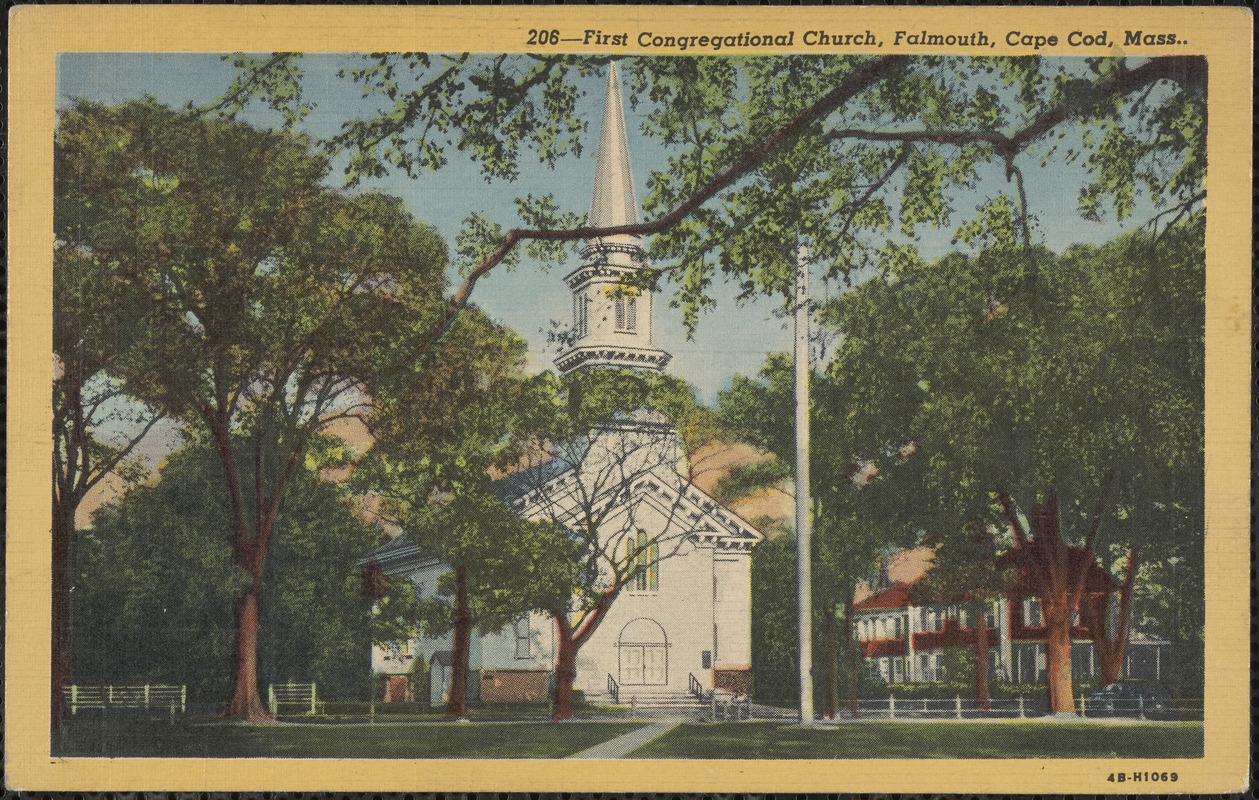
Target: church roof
column 614, row 202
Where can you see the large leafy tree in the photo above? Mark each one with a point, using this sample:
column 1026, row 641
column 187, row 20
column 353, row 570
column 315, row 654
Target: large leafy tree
column 264, row 297
column 436, row 444
column 155, row 585
column 1060, row 396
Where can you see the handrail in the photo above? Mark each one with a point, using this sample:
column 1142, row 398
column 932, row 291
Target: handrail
column 614, row 689
column 694, row 686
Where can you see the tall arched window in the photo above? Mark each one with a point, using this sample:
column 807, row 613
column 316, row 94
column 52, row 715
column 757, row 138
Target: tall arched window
column 643, row 558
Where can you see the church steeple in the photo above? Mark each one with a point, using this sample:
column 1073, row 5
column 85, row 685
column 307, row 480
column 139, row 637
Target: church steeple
column 613, row 203
column 611, row 322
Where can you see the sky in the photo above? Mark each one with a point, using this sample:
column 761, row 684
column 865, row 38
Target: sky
column 733, row 338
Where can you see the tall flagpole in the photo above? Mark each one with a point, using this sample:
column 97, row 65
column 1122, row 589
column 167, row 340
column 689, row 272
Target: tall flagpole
column 803, row 532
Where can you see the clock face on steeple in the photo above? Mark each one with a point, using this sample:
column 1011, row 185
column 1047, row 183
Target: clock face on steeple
column 611, row 319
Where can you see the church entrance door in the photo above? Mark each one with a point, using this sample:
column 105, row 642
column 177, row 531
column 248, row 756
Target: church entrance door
column 644, row 654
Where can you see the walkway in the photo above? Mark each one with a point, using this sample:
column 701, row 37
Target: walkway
column 627, row 743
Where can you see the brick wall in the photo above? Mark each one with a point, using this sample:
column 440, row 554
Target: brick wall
column 513, row 685
column 738, row 679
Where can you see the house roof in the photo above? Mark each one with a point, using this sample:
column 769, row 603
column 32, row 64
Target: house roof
column 894, row 596
column 899, row 594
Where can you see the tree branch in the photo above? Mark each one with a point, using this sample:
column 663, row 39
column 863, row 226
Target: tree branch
column 848, row 88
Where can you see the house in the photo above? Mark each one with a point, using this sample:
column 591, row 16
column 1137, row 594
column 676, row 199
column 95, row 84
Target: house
column 682, row 621
column 905, row 638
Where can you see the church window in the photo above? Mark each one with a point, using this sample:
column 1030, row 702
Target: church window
column 581, row 315
column 626, row 314
column 645, row 558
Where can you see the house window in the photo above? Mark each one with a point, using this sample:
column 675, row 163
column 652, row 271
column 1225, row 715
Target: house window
column 706, row 659
column 521, row 628
column 990, row 616
column 644, row 558
column 1031, row 612
column 626, row 314
column 898, row 670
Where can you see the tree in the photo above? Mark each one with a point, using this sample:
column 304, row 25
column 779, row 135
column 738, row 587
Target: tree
column 93, row 315
column 435, row 444
column 155, row 585
column 1018, row 373
column 269, row 303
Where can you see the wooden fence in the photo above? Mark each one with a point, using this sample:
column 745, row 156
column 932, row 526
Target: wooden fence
column 149, row 697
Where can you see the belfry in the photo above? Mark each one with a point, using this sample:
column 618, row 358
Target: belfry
column 611, row 320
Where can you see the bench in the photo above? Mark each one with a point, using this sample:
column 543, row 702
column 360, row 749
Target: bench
column 299, row 695
column 148, row 697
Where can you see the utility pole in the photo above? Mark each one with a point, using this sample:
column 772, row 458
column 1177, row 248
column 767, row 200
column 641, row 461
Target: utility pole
column 803, row 531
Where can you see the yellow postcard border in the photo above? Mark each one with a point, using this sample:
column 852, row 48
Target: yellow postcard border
column 38, row 33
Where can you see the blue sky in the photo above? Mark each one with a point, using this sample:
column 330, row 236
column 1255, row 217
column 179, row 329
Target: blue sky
column 731, row 339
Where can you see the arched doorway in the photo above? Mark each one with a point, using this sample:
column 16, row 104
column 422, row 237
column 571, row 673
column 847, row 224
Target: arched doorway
column 644, row 654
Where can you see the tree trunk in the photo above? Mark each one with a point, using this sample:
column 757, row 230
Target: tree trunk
column 831, row 707
column 461, row 644
column 1058, row 656
column 246, row 703
column 1110, row 649
column 62, row 671
column 852, row 657
column 982, row 703
column 565, row 672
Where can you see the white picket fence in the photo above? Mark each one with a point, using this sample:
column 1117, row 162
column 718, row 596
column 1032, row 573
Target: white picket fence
column 301, row 695
column 965, row 708
column 149, row 697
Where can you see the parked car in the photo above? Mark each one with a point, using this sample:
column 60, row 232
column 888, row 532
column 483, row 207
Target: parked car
column 1130, row 700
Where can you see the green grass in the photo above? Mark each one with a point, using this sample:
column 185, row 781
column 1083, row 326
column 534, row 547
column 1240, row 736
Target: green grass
column 362, row 711
column 929, row 740
column 97, row 736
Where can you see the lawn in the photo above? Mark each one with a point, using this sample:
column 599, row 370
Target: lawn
column 1013, row 739
column 210, row 738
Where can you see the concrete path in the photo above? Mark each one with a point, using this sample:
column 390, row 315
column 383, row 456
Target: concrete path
column 627, row 743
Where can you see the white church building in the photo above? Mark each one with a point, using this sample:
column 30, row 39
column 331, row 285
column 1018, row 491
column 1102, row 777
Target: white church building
column 681, row 623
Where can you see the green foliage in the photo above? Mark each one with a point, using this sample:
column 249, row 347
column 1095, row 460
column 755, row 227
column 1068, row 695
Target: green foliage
column 746, row 479
column 154, row 586
column 905, row 155
column 1030, row 373
column 253, row 279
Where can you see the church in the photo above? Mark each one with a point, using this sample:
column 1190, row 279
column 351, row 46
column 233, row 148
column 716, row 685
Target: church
column 681, row 625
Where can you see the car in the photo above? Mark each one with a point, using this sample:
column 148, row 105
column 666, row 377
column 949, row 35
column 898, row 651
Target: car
column 1130, row 700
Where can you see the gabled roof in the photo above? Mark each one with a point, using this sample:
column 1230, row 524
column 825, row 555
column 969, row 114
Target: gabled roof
column 398, row 554
column 894, row 596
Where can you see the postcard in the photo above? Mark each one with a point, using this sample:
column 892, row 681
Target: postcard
column 742, row 399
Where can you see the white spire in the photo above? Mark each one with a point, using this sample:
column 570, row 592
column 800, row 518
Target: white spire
column 613, row 203
column 612, row 327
